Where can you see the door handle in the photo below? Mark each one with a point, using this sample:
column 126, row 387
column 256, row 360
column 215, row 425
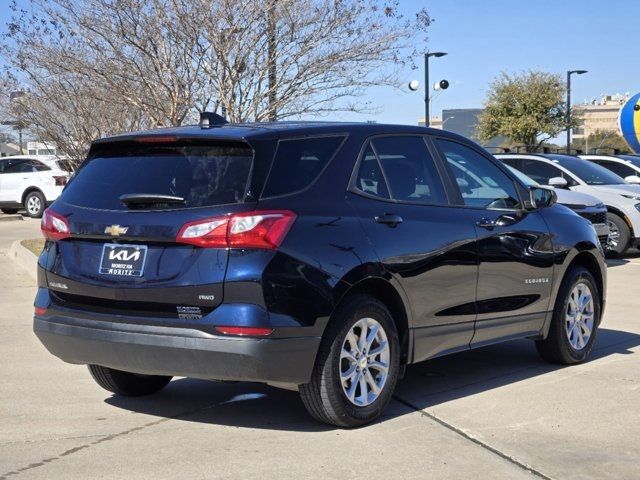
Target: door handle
column 389, row 219
column 486, row 223
column 501, row 221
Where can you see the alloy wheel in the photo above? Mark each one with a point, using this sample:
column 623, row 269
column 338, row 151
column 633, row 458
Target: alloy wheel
column 579, row 316
column 34, row 205
column 614, row 235
column 364, row 362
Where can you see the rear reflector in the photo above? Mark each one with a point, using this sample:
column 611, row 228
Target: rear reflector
column 40, row 311
column 259, row 229
column 54, row 226
column 245, row 331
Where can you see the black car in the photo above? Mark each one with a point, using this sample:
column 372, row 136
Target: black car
column 322, row 257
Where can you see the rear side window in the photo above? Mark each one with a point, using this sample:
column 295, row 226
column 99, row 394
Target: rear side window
column 298, row 163
column 204, row 175
column 409, row 169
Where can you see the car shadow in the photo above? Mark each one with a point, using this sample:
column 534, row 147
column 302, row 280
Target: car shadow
column 632, row 254
column 254, row 405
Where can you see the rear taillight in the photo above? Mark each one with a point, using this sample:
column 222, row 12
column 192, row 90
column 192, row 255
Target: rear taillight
column 259, row 229
column 54, row 226
column 40, row 311
column 61, row 180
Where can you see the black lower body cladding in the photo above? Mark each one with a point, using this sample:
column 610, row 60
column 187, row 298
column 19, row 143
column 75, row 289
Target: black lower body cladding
column 154, row 350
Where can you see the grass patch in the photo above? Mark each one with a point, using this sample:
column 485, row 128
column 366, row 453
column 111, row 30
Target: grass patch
column 33, row 244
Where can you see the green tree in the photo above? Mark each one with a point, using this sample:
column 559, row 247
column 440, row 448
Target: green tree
column 526, row 108
column 600, row 139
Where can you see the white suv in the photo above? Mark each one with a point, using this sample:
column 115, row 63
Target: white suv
column 564, row 171
column 30, row 182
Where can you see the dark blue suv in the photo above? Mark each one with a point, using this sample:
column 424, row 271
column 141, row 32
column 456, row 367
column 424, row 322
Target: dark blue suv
column 321, row 257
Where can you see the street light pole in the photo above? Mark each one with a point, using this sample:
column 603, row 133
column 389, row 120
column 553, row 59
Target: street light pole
column 426, row 83
column 568, row 112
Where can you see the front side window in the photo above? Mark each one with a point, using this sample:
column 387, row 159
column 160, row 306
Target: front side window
column 298, row 163
column 542, row 172
column 481, row 183
column 409, row 170
column 17, row 166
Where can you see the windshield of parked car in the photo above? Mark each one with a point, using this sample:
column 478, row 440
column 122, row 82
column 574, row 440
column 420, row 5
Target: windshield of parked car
column 588, row 172
column 201, row 175
column 632, row 159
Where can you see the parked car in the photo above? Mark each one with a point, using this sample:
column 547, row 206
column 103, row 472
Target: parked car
column 319, row 257
column 626, row 166
column 584, row 205
column 568, row 172
column 30, row 182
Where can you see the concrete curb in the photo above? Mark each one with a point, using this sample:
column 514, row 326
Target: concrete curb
column 11, row 218
column 25, row 258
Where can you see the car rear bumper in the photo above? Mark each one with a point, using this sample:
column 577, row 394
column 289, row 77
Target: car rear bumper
column 158, row 350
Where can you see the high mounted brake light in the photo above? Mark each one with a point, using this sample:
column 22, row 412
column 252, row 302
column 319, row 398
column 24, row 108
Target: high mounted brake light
column 54, row 226
column 156, row 139
column 259, row 229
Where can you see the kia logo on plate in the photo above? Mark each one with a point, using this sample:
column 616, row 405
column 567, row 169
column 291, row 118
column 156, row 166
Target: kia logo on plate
column 123, row 256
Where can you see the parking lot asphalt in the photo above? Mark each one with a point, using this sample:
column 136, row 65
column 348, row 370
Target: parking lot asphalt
column 496, row 412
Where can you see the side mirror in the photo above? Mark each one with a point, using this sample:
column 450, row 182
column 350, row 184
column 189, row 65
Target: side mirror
column 540, row 197
column 558, row 182
column 632, row 179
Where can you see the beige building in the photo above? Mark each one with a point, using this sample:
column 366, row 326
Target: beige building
column 436, row 122
column 600, row 115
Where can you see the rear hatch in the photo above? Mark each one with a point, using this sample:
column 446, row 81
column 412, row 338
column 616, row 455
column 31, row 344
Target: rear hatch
column 124, row 210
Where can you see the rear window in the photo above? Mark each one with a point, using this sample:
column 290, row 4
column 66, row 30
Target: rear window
column 298, row 163
column 202, row 175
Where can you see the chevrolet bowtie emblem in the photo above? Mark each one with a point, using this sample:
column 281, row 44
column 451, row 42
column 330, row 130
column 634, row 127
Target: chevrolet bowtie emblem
column 116, row 230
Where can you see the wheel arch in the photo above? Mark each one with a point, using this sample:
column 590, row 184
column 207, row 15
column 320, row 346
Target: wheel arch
column 394, row 299
column 588, row 261
column 29, row 190
column 621, row 214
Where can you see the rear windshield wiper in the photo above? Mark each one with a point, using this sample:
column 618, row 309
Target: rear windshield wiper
column 133, row 200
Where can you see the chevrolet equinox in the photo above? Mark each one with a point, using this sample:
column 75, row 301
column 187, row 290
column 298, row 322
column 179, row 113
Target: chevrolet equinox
column 319, row 257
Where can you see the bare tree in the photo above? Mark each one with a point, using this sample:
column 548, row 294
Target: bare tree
column 96, row 67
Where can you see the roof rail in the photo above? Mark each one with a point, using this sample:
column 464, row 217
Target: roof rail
column 595, row 151
column 211, row 119
column 498, row 149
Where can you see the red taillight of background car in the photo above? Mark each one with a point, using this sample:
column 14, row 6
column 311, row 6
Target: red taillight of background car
column 61, row 180
column 54, row 226
column 259, row 229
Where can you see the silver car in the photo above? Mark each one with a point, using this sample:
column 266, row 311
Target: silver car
column 565, row 172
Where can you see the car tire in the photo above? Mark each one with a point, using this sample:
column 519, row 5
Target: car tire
column 563, row 344
column 127, row 384
column 34, row 204
column 327, row 396
column 619, row 235
column 9, row 211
